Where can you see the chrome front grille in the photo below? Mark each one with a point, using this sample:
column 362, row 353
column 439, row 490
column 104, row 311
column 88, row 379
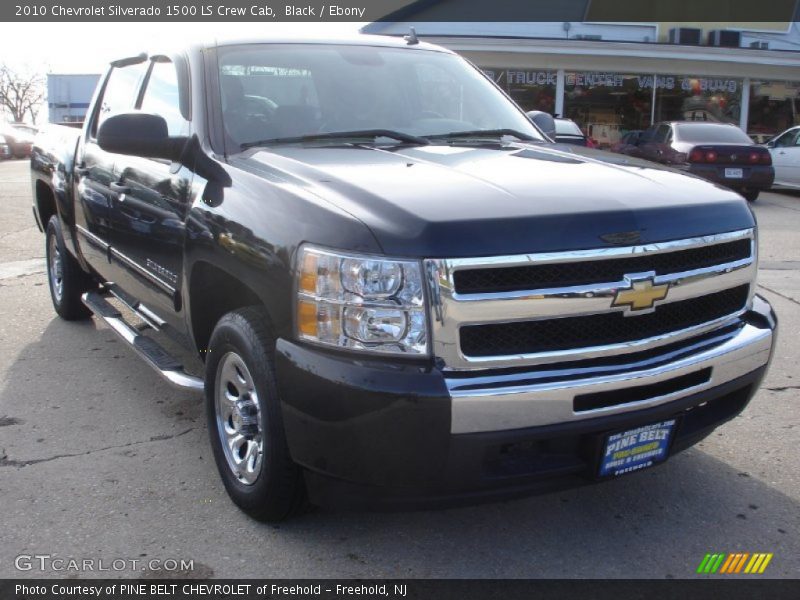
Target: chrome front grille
column 563, row 274
column 545, row 308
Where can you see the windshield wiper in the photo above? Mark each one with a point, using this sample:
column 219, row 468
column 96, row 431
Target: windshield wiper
column 371, row 134
column 491, row 133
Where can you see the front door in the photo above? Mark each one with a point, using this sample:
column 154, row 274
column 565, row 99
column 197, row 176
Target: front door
column 95, row 188
column 150, row 210
column 786, row 158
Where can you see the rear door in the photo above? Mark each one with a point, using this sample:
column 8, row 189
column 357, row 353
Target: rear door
column 785, row 153
column 648, row 146
column 660, row 147
column 150, row 212
column 95, row 188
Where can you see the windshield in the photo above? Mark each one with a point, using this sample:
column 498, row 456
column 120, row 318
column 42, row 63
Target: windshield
column 711, row 134
column 567, row 127
column 278, row 91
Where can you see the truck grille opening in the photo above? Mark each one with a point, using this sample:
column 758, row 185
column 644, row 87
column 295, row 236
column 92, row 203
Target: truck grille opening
column 531, row 337
column 550, row 275
column 639, row 393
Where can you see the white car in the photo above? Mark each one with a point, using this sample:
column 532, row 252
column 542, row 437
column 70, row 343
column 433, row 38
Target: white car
column 785, row 151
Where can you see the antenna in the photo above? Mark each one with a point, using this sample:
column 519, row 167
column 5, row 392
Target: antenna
column 411, row 38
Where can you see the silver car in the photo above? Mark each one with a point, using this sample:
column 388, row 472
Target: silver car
column 785, row 151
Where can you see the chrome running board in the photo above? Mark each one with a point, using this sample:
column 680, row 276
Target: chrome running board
column 151, row 351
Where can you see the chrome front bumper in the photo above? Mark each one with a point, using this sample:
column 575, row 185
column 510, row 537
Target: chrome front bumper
column 497, row 402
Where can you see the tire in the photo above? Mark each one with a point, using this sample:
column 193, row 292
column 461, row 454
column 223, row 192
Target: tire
column 66, row 279
column 244, row 413
column 750, row 195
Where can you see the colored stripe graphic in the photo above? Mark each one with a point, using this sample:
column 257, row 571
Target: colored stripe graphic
column 766, row 562
column 735, row 563
column 725, row 568
column 718, row 562
column 703, row 563
column 754, row 563
column 741, row 562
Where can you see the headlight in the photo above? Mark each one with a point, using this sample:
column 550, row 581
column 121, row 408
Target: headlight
column 360, row 302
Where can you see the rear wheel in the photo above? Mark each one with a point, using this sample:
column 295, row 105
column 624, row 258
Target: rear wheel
column 65, row 277
column 244, row 418
column 750, row 195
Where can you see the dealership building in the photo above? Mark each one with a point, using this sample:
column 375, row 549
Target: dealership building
column 615, row 77
column 68, row 96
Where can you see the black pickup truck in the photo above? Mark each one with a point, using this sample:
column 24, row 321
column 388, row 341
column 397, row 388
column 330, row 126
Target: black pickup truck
column 402, row 292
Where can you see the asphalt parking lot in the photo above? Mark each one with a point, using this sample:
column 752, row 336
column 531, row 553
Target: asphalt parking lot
column 100, row 459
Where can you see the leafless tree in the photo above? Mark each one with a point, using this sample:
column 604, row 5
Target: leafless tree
column 21, row 94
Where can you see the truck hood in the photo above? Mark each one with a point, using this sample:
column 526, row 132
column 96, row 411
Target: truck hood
column 468, row 200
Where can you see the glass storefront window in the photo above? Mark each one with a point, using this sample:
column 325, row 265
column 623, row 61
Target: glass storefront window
column 774, row 107
column 686, row 98
column 531, row 89
column 608, row 105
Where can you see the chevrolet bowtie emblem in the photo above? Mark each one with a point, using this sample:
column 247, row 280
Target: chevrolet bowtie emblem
column 641, row 295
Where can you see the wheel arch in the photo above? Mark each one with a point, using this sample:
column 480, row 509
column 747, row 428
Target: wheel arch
column 214, row 291
column 45, row 200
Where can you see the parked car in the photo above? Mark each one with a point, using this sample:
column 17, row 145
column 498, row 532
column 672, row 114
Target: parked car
column 629, row 143
column 20, row 141
column 561, row 130
column 396, row 303
column 719, row 152
column 785, row 152
column 568, row 132
column 30, row 130
column 5, row 151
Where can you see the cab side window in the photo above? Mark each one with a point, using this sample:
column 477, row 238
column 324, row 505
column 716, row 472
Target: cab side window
column 119, row 94
column 662, row 134
column 161, row 97
column 790, row 138
column 648, row 135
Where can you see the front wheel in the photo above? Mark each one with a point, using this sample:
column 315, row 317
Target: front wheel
column 244, row 418
column 65, row 277
column 750, row 195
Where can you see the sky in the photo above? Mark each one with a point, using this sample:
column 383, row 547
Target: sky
column 88, row 47
column 40, row 48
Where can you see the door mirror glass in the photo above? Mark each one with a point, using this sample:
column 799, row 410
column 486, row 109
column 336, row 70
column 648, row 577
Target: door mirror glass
column 139, row 134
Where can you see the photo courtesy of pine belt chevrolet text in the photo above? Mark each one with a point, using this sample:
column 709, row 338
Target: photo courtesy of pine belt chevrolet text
column 403, row 292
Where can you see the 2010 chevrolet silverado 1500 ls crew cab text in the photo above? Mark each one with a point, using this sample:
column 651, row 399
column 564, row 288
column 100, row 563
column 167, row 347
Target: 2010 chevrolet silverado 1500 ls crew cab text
column 403, row 293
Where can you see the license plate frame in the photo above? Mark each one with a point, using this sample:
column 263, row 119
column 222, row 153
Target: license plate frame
column 734, row 173
column 620, row 454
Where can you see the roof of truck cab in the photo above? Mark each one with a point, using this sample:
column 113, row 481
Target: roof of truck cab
column 382, row 41
column 351, row 40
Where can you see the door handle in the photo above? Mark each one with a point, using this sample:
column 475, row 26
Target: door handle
column 120, row 188
column 82, row 171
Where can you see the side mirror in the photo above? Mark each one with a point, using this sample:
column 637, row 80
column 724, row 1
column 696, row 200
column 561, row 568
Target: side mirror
column 140, row 134
column 543, row 121
column 770, row 144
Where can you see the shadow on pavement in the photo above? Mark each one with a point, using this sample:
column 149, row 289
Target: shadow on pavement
column 103, row 459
